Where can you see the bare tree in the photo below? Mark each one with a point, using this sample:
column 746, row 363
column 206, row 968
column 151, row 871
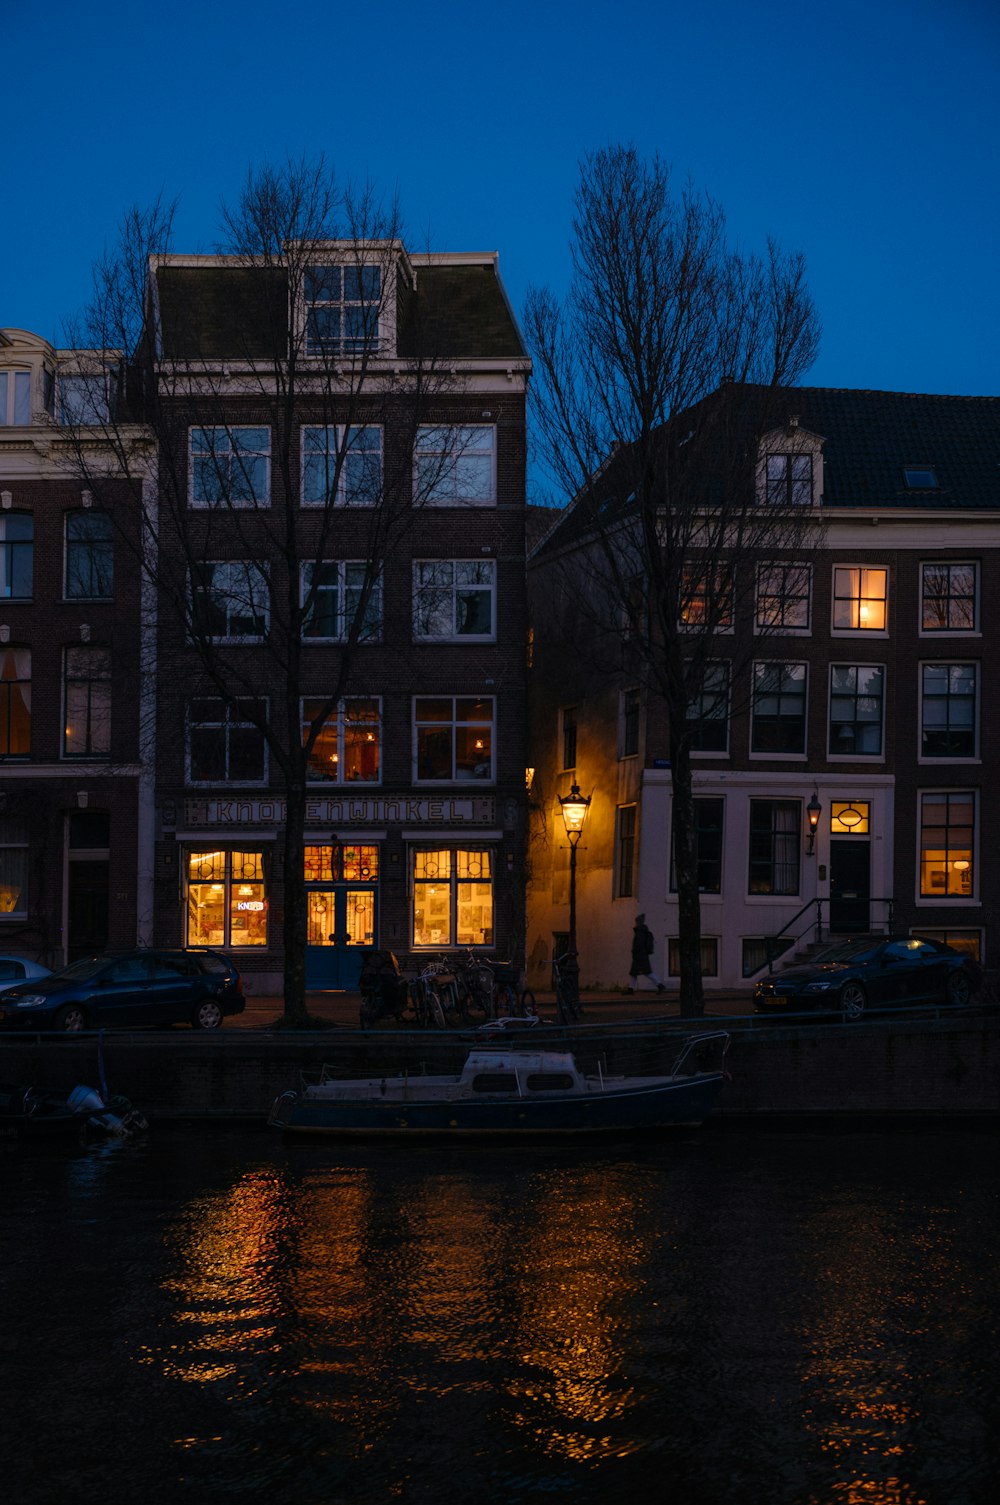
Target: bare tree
column 656, row 382
column 284, row 429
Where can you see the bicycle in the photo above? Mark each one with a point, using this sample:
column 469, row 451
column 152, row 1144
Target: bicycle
column 510, row 1002
column 566, row 973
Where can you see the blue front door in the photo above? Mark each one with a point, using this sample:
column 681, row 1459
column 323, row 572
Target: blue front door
column 340, row 929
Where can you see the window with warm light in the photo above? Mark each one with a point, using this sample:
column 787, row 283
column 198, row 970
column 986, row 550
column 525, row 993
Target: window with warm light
column 849, row 817
column 947, row 843
column 13, row 866
column 452, row 897
column 860, row 597
column 453, row 738
column 348, row 746
column 226, row 899
column 15, row 702
column 335, row 863
column 706, row 597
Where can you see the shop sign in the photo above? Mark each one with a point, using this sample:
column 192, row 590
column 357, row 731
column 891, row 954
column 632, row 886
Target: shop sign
column 338, row 811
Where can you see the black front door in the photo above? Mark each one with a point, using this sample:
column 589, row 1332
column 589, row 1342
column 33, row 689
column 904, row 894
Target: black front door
column 850, row 887
column 87, row 907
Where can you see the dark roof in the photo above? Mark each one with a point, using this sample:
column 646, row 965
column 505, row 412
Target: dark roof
column 226, row 312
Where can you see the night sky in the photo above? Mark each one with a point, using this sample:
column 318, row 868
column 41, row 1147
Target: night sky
column 864, row 134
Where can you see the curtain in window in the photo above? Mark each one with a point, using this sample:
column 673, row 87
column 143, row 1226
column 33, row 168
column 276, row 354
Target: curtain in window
column 786, row 849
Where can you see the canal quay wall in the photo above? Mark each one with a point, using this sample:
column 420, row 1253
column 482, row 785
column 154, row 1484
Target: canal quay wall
column 943, row 1066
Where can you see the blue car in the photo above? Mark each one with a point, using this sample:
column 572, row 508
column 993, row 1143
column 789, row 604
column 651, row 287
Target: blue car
column 871, row 972
column 125, row 990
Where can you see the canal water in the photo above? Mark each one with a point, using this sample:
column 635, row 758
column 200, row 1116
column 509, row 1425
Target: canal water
column 743, row 1316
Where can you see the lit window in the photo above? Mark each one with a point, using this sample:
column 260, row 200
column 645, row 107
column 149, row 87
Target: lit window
column 89, row 556
column 789, row 480
column 226, row 899
column 229, row 602
column 230, row 467
column 969, row 942
column 335, row 864
column 87, row 692
column 778, row 723
column 454, row 599
column 453, row 738
column 15, row 702
column 17, row 551
column 225, row 742
column 342, row 308
column 454, row 467
column 849, row 817
column 452, row 897
column 15, row 398
column 13, row 866
column 948, row 598
column 859, row 598
column 708, row 712
column 341, row 597
column 948, row 711
column 706, row 597
column 856, row 699
column 348, row 744
column 947, row 838
column 341, row 466
column 783, row 592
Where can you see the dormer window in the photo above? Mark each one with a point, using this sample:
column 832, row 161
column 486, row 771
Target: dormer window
column 84, row 399
column 15, row 398
column 342, row 308
column 789, row 480
column 921, row 478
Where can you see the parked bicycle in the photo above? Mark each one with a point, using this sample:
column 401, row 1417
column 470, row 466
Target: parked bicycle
column 510, row 1001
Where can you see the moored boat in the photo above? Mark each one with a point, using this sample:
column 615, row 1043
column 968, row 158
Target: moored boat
column 27, row 1113
column 510, row 1092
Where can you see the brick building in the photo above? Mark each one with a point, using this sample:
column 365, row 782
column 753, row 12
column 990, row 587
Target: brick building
column 76, row 792
column 342, row 464
column 856, row 688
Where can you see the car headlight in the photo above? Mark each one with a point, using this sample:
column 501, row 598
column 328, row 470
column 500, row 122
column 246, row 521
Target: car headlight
column 818, row 987
column 29, row 1001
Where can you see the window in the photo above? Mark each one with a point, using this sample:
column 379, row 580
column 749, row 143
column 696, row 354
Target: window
column 454, row 599
column 454, row 738
column 921, row 478
column 783, row 592
column 968, row 941
column 455, row 466
column 341, row 864
column 15, row 398
column 774, row 846
column 856, row 694
column 948, row 597
column 452, row 897
column 342, row 466
column 709, row 956
column 336, row 594
column 17, row 548
column 224, row 744
column 568, row 718
column 87, row 721
column 948, row 711
column 13, row 866
column 230, row 467
column 625, row 850
column 90, row 553
column 348, row 744
column 229, row 601
column 708, row 712
column 778, row 723
column 789, row 480
column 630, row 707
column 708, row 813
column 226, row 899
column 947, row 837
column 706, row 598
column 84, row 398
column 342, row 308
column 850, row 817
column 859, row 599
column 15, row 702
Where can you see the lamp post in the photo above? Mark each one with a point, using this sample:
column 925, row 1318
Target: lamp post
column 574, row 812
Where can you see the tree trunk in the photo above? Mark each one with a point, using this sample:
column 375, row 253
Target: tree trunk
column 294, row 929
column 685, row 834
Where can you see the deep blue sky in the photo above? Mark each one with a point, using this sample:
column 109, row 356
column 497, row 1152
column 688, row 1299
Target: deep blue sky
column 866, row 135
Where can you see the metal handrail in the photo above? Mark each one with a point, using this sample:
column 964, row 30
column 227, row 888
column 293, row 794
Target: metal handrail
column 816, row 903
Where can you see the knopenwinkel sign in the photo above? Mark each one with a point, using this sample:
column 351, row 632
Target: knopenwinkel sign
column 369, row 810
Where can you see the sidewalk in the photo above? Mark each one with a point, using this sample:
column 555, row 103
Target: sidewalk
column 343, row 1009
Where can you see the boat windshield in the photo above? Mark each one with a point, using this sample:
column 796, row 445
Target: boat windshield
column 861, row 949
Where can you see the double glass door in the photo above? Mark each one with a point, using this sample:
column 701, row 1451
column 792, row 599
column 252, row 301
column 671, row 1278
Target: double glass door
column 340, row 919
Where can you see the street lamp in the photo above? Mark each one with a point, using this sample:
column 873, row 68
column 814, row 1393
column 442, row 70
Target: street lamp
column 814, row 810
column 574, row 812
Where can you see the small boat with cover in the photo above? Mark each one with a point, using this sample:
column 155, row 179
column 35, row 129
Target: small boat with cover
column 510, row 1092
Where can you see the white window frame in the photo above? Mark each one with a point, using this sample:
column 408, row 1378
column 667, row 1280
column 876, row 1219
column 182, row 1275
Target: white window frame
column 229, row 723
column 341, row 718
column 455, row 723
column 7, row 557
column 715, row 581
column 19, row 914
column 790, row 485
column 780, row 664
column 950, row 901
column 230, row 430
column 87, row 545
column 448, row 593
column 349, row 573
column 787, row 569
column 864, row 570
column 91, row 406
column 10, row 411
column 253, row 574
column 453, row 880
column 345, row 346
column 949, row 632
column 714, row 752
column 928, row 758
column 446, row 447
column 106, row 679
column 855, row 757
column 345, row 438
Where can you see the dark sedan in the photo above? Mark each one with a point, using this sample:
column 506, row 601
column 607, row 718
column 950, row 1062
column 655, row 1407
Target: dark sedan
column 870, row 972
column 128, row 989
